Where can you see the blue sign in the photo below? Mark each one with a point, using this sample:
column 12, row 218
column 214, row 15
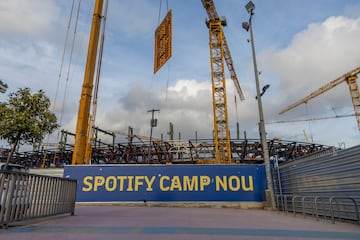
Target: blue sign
column 117, row 183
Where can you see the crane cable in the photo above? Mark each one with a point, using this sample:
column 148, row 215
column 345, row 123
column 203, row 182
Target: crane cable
column 68, row 69
column 167, row 9
column 169, row 61
column 63, row 54
column 70, row 62
column 59, row 79
column 153, row 76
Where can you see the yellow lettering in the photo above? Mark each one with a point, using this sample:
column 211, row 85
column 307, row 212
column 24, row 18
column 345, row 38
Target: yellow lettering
column 87, row 182
column 110, row 187
column 221, row 182
column 149, row 183
column 204, row 181
column 98, row 182
column 130, row 184
column 251, row 184
column 162, row 179
column 175, row 183
column 191, row 184
column 234, row 186
column 121, row 182
column 138, row 182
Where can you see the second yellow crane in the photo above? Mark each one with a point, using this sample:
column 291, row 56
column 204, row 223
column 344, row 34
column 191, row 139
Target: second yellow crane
column 219, row 54
column 350, row 78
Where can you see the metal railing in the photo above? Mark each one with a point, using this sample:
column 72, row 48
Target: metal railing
column 28, row 196
column 329, row 207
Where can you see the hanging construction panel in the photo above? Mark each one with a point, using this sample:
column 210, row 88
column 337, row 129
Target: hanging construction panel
column 163, row 42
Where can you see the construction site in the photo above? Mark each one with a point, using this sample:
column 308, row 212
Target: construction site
column 97, row 171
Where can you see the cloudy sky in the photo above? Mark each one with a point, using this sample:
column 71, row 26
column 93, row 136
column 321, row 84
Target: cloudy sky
column 300, row 46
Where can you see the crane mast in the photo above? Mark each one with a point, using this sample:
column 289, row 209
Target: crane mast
column 83, row 123
column 221, row 123
column 219, row 54
column 350, row 78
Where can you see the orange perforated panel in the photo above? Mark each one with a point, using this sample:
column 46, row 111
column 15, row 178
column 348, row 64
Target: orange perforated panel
column 163, row 42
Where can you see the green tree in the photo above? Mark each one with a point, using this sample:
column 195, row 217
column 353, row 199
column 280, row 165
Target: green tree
column 26, row 118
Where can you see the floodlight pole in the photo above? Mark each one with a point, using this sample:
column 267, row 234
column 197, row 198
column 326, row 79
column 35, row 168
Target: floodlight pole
column 153, row 123
column 269, row 191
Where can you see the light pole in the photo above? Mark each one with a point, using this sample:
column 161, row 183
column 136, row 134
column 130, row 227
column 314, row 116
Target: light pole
column 250, row 6
column 153, row 123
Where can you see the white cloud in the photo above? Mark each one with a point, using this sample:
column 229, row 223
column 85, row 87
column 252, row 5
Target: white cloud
column 27, row 18
column 187, row 105
column 319, row 54
column 316, row 56
column 132, row 19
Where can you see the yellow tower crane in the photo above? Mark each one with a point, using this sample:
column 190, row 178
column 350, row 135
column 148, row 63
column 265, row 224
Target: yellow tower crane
column 220, row 53
column 350, row 78
column 83, row 122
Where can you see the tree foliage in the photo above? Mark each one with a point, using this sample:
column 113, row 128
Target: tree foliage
column 26, row 117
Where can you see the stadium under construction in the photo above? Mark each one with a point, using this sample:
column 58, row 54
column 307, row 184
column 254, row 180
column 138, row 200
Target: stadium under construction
column 138, row 150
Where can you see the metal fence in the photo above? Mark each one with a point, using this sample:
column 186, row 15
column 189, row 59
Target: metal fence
column 327, row 186
column 27, row 196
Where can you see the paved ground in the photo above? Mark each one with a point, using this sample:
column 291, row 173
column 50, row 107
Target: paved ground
column 160, row 223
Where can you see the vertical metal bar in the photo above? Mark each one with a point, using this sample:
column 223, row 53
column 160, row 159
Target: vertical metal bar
column 54, row 196
column 46, row 196
column 303, row 206
column 70, row 197
column 32, row 183
column 285, row 203
column 331, row 209
column 36, row 194
column 63, row 197
column 294, row 206
column 41, row 192
column 279, row 178
column 8, row 197
column 316, row 208
column 51, row 194
column 278, row 202
column 20, row 196
column 357, row 212
column 12, row 208
column 73, row 199
column 57, row 194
